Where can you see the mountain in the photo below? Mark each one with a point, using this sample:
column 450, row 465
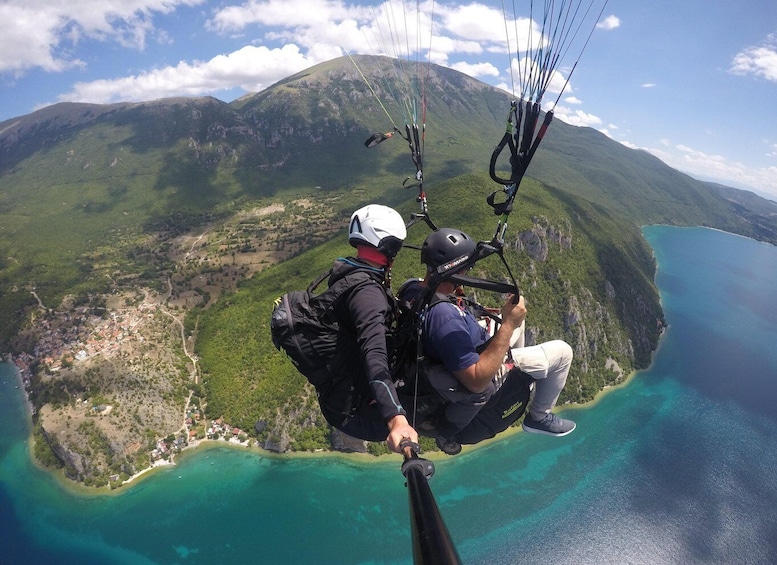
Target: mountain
column 183, row 218
column 76, row 174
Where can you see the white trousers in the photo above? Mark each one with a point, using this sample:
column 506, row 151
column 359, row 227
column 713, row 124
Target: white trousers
column 547, row 363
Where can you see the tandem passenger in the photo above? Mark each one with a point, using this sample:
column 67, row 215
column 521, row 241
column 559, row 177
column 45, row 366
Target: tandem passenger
column 473, row 367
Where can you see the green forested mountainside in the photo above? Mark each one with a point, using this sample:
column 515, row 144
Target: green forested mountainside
column 82, row 185
column 592, row 288
column 636, row 185
column 167, row 198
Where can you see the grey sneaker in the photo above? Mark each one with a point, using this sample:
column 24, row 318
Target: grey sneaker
column 448, row 446
column 550, row 425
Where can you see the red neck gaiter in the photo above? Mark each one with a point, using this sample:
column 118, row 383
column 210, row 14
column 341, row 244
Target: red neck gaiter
column 371, row 254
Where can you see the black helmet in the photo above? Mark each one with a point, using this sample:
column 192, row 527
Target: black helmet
column 444, row 245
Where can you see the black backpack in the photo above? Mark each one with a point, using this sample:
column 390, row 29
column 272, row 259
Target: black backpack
column 303, row 325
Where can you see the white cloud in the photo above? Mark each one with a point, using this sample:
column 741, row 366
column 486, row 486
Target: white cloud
column 284, row 13
column 310, row 33
column 706, row 166
column 649, row 85
column 609, row 23
column 476, row 22
column 386, row 29
column 572, row 100
column 251, row 68
column 477, row 69
column 577, row 117
column 320, row 31
column 28, row 39
column 41, row 33
column 759, row 61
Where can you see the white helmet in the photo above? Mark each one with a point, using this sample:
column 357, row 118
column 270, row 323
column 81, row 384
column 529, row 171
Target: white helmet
column 378, row 226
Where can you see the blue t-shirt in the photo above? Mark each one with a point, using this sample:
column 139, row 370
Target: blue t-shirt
column 452, row 335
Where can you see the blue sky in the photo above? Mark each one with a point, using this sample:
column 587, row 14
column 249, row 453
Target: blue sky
column 692, row 81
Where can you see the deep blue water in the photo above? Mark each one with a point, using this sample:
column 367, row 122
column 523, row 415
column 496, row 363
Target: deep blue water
column 678, row 466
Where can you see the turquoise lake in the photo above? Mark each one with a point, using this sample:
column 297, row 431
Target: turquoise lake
column 678, row 466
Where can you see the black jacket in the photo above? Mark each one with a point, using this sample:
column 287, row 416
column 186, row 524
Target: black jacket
column 364, row 314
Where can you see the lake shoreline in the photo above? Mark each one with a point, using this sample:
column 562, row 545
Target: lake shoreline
column 197, row 446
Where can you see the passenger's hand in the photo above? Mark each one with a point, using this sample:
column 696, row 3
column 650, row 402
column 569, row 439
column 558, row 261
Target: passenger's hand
column 514, row 312
column 400, row 429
